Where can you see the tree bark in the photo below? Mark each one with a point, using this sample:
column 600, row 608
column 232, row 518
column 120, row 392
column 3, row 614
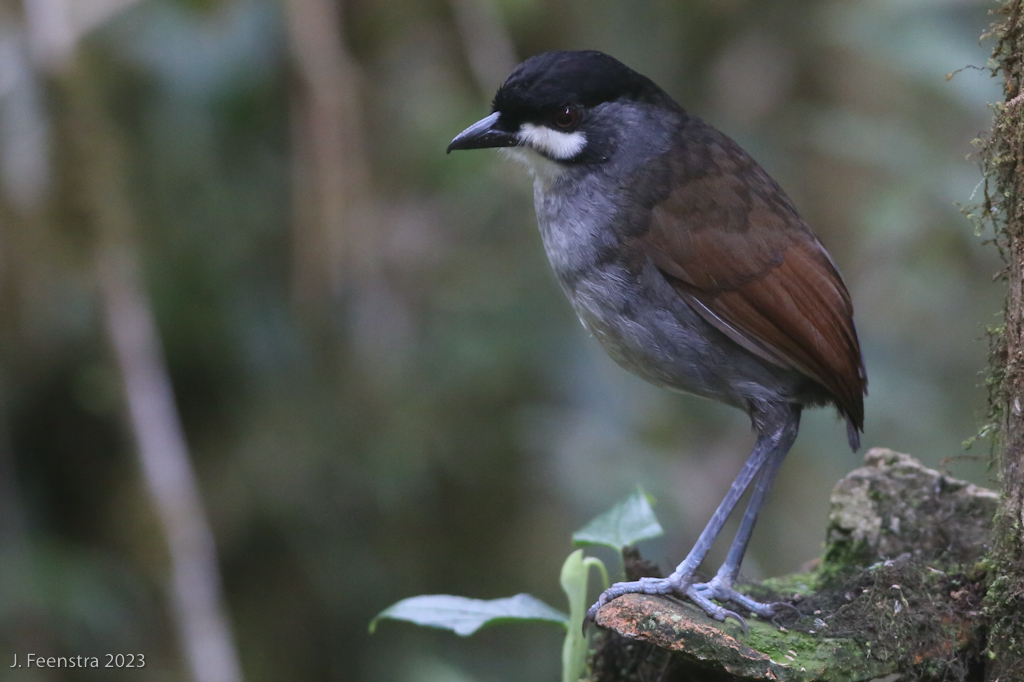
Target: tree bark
column 1004, row 174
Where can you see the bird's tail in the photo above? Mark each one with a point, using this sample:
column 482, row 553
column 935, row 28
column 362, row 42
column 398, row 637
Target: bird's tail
column 852, row 434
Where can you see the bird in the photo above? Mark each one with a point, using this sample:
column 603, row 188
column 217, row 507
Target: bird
column 689, row 265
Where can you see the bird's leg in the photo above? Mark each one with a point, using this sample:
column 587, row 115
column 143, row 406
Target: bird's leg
column 769, row 447
column 721, row 586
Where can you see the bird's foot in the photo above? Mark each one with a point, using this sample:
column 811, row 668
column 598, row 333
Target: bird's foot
column 721, row 589
column 676, row 585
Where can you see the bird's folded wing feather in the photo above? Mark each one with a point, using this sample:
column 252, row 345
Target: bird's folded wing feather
column 734, row 247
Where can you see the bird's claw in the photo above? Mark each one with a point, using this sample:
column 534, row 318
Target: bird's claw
column 641, row 586
column 701, row 594
column 785, row 605
column 719, row 613
column 673, row 585
column 592, row 611
column 722, row 590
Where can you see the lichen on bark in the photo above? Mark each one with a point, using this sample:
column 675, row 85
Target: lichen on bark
column 1002, row 155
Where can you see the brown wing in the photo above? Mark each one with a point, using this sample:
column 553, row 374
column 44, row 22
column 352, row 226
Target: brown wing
column 732, row 244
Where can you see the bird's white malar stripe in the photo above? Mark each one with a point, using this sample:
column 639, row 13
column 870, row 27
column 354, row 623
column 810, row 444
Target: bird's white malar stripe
column 553, row 143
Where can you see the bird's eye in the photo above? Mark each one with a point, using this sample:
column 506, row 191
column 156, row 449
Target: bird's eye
column 566, row 118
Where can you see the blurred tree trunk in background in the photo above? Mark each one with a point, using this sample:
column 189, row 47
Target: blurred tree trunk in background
column 1004, row 160
column 486, row 40
column 332, row 237
column 97, row 183
column 94, row 171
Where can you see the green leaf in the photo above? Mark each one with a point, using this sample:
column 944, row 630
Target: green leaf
column 625, row 524
column 464, row 616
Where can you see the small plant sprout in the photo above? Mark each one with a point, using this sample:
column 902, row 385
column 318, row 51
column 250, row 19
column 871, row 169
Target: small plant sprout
column 575, row 572
column 623, row 525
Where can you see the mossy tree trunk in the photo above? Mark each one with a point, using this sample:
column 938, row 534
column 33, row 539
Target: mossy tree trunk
column 1003, row 153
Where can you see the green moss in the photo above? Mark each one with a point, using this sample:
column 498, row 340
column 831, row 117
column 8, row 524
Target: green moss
column 1004, row 607
column 876, row 495
column 842, row 559
column 795, row 583
column 909, row 616
column 805, row 652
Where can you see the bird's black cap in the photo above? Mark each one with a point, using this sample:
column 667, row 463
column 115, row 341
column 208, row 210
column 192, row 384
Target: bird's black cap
column 553, row 81
column 583, row 78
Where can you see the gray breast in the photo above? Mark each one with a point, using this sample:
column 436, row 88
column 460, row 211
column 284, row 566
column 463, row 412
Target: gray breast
column 632, row 310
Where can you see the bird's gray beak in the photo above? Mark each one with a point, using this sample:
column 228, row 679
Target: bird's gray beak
column 483, row 134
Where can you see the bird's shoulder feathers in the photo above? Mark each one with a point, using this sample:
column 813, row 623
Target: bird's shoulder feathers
column 732, row 244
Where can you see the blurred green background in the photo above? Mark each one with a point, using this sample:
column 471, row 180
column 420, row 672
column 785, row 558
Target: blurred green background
column 383, row 391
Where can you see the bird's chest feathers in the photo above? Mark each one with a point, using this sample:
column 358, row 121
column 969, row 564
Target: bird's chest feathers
column 592, row 265
column 575, row 226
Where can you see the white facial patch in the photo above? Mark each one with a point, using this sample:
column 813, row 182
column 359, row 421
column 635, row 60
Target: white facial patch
column 553, row 143
column 542, row 169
